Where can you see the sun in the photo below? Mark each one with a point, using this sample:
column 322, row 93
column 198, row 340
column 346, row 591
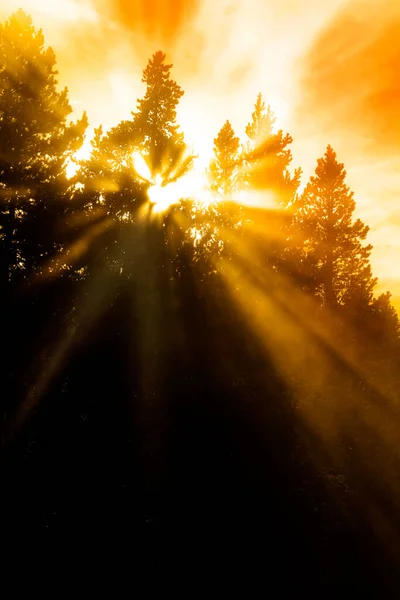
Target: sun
column 163, row 193
column 162, row 196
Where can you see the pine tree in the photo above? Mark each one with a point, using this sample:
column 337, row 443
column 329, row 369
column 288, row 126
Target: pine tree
column 215, row 225
column 384, row 324
column 265, row 169
column 262, row 123
column 224, row 168
column 330, row 240
column 154, row 122
column 267, row 156
column 35, row 144
column 109, row 176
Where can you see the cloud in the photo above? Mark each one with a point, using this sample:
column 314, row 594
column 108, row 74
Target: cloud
column 159, row 23
column 155, row 17
column 64, row 11
column 350, row 80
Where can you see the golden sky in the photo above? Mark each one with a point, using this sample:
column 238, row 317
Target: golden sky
column 329, row 68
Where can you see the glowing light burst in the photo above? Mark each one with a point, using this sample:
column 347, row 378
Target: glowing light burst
column 164, row 193
column 162, row 196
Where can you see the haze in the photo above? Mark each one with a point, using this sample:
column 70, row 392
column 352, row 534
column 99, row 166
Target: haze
column 329, row 70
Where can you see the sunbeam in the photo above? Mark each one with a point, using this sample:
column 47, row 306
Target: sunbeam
column 196, row 344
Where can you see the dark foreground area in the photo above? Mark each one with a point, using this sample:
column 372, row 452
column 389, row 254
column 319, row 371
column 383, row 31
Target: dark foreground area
column 183, row 454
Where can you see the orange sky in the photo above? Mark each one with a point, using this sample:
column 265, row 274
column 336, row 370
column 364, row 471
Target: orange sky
column 329, row 68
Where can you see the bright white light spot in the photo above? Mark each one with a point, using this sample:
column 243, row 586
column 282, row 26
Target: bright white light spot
column 71, row 169
column 141, row 167
column 162, row 197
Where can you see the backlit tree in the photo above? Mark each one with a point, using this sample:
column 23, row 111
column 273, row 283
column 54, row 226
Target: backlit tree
column 267, row 156
column 262, row 122
column 36, row 142
column 154, row 121
column 331, row 240
column 109, row 175
column 224, row 168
